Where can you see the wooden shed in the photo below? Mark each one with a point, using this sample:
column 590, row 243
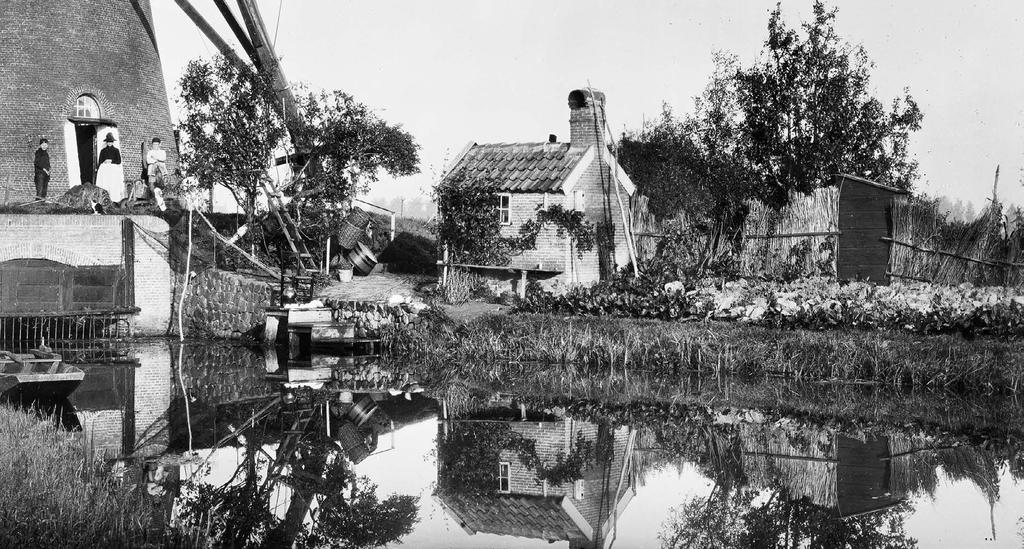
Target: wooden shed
column 865, row 227
column 844, row 229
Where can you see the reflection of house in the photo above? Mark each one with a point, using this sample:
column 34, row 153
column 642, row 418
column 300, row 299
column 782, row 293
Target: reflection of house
column 581, row 512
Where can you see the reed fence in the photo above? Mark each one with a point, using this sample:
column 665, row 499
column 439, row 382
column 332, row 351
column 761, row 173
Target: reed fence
column 706, row 237
column 927, row 247
column 796, row 240
column 771, row 458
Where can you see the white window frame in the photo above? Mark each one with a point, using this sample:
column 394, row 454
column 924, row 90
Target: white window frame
column 579, row 201
column 505, row 214
column 578, row 489
column 86, row 106
column 506, row 468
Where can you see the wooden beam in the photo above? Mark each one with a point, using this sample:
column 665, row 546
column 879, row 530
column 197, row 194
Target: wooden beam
column 795, row 235
column 211, row 34
column 992, row 263
column 236, row 28
column 271, row 67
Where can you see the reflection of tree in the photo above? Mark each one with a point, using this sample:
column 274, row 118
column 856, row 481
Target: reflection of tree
column 361, row 519
column 348, row 513
column 737, row 519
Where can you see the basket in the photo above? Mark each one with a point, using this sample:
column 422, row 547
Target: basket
column 353, row 227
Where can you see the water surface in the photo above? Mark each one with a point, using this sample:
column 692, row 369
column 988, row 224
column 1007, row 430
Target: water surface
column 343, row 449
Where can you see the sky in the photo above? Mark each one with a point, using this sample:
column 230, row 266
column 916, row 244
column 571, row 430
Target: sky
column 452, row 72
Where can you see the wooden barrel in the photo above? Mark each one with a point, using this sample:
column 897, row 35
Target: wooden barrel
column 362, row 259
column 362, row 410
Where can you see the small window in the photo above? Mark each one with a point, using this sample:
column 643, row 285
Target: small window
column 577, row 489
column 87, row 107
column 579, row 201
column 503, row 476
column 505, row 209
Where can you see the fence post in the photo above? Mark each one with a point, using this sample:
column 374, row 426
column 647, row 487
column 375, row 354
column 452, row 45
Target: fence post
column 444, row 266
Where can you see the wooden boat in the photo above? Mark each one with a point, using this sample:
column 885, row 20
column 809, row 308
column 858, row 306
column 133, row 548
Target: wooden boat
column 38, row 373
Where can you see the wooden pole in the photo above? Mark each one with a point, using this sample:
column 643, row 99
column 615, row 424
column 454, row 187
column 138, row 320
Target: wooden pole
column 327, row 257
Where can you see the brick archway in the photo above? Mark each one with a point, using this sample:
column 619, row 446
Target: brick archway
column 32, row 250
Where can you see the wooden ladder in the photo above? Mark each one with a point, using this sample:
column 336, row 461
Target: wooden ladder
column 298, row 252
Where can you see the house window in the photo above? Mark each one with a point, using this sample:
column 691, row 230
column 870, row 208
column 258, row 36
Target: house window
column 505, row 209
column 577, row 489
column 579, row 201
column 503, row 476
column 87, row 107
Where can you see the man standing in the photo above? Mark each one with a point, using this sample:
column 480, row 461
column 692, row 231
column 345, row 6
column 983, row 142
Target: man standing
column 42, row 166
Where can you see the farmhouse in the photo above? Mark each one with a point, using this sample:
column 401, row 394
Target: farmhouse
column 581, row 174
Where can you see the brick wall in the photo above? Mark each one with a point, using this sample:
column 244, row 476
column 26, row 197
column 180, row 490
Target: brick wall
column 550, row 438
column 554, row 437
column 588, row 268
column 153, row 379
column 52, row 53
column 551, row 251
column 102, row 430
column 80, row 240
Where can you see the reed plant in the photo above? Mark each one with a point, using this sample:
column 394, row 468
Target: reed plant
column 505, row 348
column 54, row 494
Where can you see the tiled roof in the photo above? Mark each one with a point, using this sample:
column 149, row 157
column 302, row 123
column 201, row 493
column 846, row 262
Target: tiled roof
column 519, row 167
column 535, row 517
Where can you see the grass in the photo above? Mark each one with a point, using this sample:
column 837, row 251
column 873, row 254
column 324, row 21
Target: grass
column 506, row 348
column 53, row 493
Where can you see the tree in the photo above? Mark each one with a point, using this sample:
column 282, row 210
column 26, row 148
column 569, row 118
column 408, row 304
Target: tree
column 809, row 112
column 231, row 128
column 350, row 147
column 697, row 164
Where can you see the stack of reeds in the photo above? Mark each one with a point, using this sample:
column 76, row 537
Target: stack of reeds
column 770, row 235
column 928, row 247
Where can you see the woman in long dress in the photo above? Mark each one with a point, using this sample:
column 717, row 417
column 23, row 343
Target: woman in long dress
column 110, row 175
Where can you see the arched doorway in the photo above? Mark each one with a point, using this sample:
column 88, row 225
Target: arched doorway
column 83, row 134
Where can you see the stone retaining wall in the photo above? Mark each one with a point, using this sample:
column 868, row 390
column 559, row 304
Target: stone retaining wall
column 371, row 317
column 225, row 304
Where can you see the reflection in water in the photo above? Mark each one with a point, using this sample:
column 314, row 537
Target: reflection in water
column 293, row 453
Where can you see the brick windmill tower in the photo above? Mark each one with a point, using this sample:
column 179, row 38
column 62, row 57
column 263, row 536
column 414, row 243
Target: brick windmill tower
column 70, row 72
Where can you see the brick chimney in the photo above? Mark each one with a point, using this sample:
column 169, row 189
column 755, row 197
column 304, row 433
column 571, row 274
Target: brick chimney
column 586, row 118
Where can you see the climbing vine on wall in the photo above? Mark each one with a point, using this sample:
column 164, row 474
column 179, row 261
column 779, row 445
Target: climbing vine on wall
column 567, row 222
column 470, row 225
